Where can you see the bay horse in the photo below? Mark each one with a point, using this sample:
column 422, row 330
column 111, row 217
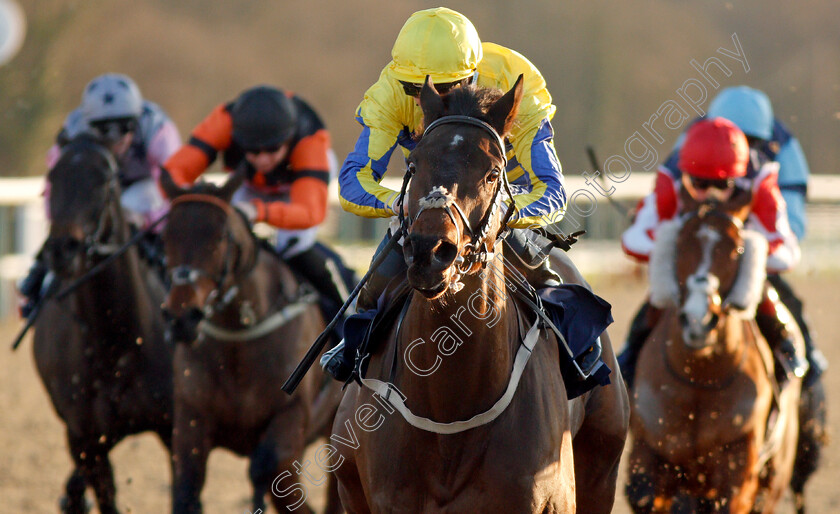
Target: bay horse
column 467, row 438
column 712, row 429
column 100, row 351
column 240, row 322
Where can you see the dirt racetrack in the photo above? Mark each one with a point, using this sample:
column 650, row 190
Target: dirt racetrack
column 34, row 462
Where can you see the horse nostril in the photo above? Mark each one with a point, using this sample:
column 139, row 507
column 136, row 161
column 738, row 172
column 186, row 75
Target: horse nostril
column 72, row 245
column 444, row 254
column 194, row 315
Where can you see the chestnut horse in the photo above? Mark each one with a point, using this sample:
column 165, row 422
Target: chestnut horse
column 467, row 437
column 712, row 431
column 100, row 351
column 240, row 321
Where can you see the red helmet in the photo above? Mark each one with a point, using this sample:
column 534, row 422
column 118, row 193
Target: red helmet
column 714, row 149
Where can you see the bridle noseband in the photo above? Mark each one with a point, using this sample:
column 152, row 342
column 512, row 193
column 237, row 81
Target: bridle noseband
column 478, row 251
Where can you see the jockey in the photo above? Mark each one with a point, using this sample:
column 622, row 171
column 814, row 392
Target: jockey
column 444, row 45
column 139, row 134
column 284, row 149
column 715, row 162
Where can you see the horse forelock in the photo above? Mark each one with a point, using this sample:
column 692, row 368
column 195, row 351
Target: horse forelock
column 469, row 100
column 82, row 162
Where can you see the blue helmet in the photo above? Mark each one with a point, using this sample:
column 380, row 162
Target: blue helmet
column 748, row 108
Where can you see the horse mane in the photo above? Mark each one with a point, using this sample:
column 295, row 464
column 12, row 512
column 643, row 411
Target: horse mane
column 203, row 187
column 72, row 154
column 470, row 100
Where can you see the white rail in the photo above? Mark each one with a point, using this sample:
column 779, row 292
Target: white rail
column 821, row 188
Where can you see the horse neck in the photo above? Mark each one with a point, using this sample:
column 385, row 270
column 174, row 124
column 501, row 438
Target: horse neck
column 260, row 279
column 714, row 362
column 118, row 297
column 469, row 341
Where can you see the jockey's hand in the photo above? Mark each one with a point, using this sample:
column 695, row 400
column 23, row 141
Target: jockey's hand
column 565, row 242
column 248, row 209
column 396, row 205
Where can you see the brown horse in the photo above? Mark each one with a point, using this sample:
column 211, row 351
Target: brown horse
column 471, row 435
column 100, row 351
column 241, row 322
column 711, row 430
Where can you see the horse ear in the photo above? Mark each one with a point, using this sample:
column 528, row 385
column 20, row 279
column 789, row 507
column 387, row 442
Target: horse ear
column 233, row 182
column 430, row 102
column 170, row 188
column 503, row 112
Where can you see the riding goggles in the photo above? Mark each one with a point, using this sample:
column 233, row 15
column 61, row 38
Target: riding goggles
column 114, row 129
column 413, row 90
column 702, row 184
column 263, row 149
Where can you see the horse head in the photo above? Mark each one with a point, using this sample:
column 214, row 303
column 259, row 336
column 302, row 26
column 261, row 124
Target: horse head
column 457, row 181
column 206, row 242
column 708, row 266
column 84, row 204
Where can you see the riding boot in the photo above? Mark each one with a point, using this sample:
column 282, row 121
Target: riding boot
column 640, row 330
column 816, row 360
column 779, row 329
column 338, row 363
column 322, row 268
column 32, row 285
column 393, row 265
column 532, row 251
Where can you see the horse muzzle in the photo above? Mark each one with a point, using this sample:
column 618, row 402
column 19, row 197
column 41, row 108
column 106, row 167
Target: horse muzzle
column 698, row 333
column 63, row 255
column 183, row 328
column 429, row 260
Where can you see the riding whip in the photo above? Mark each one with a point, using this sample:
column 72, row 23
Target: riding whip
column 590, row 151
column 49, row 293
column 315, row 350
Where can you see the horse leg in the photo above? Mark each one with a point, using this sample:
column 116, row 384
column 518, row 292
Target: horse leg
column 350, row 490
column 92, row 462
column 333, row 505
column 277, row 462
column 640, row 489
column 74, row 501
column 812, row 419
column 602, row 434
column 191, row 445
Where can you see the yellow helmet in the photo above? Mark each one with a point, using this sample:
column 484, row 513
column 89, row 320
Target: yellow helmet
column 438, row 42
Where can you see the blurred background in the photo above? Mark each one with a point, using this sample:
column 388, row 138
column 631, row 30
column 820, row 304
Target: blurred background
column 609, row 66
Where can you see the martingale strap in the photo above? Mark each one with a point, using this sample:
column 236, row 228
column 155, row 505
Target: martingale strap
column 393, row 396
column 266, row 326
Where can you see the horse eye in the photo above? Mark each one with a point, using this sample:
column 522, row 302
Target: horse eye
column 493, row 175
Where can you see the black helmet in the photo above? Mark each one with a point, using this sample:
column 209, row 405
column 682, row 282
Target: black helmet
column 263, row 117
